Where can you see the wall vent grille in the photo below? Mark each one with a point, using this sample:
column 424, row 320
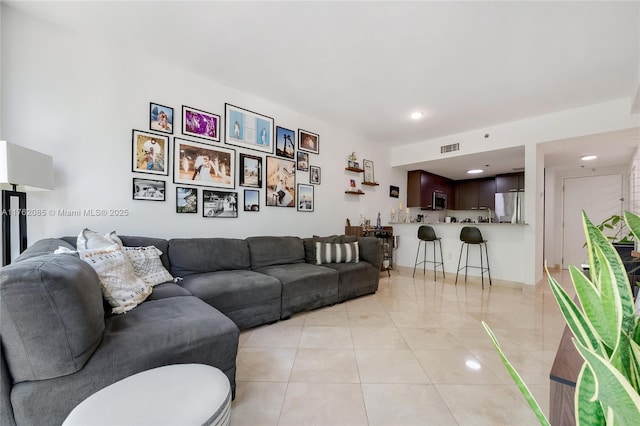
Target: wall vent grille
column 449, row 148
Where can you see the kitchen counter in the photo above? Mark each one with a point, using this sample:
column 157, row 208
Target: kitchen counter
column 504, row 245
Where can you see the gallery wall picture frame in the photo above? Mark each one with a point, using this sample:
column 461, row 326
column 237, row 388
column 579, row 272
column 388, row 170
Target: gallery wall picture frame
column 285, row 142
column 314, row 175
column 367, row 165
column 281, row 181
column 248, row 129
column 308, row 141
column 202, row 164
column 148, row 189
column 149, row 153
column 160, row 118
column 186, row 200
column 200, row 124
column 219, row 204
column 251, row 200
column 394, row 191
column 302, row 162
column 250, row 171
column 305, row 199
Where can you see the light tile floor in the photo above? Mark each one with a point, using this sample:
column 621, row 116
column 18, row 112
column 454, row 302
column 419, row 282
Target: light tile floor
column 414, row 353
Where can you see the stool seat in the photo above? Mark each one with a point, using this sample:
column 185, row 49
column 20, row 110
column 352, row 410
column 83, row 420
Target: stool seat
column 426, row 234
column 472, row 235
column 180, row 394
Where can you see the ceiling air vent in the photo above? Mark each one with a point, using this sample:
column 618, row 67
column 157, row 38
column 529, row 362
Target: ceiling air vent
column 449, row 148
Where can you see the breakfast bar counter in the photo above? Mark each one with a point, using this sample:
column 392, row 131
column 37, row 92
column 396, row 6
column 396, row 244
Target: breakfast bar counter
column 504, row 244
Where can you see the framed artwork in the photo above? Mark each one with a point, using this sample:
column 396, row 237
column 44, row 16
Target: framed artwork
column 219, row 204
column 204, row 165
column 314, row 175
column 281, row 180
column 160, row 118
column 303, row 161
column 285, row 142
column 150, row 153
column 394, row 191
column 251, row 200
column 200, row 124
column 368, row 171
column 305, row 198
column 186, row 200
column 250, row 171
column 148, row 189
column 248, row 129
column 308, row 141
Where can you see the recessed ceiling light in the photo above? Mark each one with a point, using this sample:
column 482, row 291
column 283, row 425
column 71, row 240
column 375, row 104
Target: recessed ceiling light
column 474, row 171
column 417, row 115
column 588, row 157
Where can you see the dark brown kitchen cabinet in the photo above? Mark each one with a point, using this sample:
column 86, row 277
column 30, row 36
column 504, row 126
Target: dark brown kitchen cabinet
column 475, row 194
column 421, row 185
column 512, row 182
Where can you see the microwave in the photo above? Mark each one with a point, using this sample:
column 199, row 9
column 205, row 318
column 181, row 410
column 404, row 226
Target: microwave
column 439, row 201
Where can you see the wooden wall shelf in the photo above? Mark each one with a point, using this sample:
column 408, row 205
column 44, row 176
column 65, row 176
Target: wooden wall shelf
column 371, row 183
column 354, row 192
column 353, row 169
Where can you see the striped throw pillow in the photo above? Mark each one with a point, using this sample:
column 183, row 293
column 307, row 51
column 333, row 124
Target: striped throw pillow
column 337, row 253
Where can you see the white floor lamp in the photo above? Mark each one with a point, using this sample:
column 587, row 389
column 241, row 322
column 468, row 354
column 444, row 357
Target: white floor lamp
column 21, row 170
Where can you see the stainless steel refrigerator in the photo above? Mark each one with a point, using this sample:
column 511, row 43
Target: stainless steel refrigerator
column 510, row 207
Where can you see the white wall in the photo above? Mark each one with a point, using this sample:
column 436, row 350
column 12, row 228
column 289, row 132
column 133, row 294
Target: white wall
column 79, row 99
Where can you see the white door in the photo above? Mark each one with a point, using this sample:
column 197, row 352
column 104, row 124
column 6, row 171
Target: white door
column 599, row 197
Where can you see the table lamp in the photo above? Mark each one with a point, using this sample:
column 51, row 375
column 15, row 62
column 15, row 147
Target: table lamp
column 21, row 170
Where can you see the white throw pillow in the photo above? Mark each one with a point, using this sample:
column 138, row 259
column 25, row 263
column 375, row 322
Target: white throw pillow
column 147, row 264
column 120, row 285
column 89, row 240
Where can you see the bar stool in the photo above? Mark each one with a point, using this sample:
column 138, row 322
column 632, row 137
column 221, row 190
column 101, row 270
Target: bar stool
column 427, row 234
column 472, row 235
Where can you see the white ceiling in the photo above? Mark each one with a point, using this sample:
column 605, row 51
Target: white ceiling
column 365, row 66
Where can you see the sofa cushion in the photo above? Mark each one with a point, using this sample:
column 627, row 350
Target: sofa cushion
column 167, row 290
column 267, row 251
column 120, row 285
column 337, row 253
column 51, row 316
column 197, row 255
column 44, row 246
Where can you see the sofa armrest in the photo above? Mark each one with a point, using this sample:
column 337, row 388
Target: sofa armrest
column 6, row 410
column 371, row 250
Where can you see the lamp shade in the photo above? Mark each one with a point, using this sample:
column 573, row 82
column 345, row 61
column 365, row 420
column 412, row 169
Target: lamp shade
column 28, row 169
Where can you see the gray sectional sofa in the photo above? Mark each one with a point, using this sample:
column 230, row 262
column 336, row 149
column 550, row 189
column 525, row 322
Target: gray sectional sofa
column 59, row 344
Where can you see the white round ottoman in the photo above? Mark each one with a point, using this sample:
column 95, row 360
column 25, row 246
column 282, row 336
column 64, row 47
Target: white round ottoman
column 180, row 394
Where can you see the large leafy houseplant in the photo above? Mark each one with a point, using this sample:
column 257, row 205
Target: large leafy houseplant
column 606, row 333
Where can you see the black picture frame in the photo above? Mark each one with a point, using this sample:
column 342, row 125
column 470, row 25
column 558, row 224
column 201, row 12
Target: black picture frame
column 305, row 199
column 248, row 129
column 222, row 204
column 308, row 141
column 148, row 189
column 186, row 200
column 149, row 153
column 394, row 191
column 285, row 143
column 302, row 161
column 280, row 182
column 160, row 118
column 200, row 124
column 251, row 200
column 314, row 175
column 250, row 171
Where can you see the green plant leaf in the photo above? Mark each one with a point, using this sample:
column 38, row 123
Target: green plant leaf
column 575, row 319
column 595, row 238
column 612, row 388
column 634, row 363
column 518, row 380
column 633, row 222
column 587, row 411
column 610, row 299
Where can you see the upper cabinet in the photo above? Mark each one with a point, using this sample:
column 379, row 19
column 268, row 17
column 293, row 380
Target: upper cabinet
column 475, row 194
column 421, row 185
column 512, row 182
